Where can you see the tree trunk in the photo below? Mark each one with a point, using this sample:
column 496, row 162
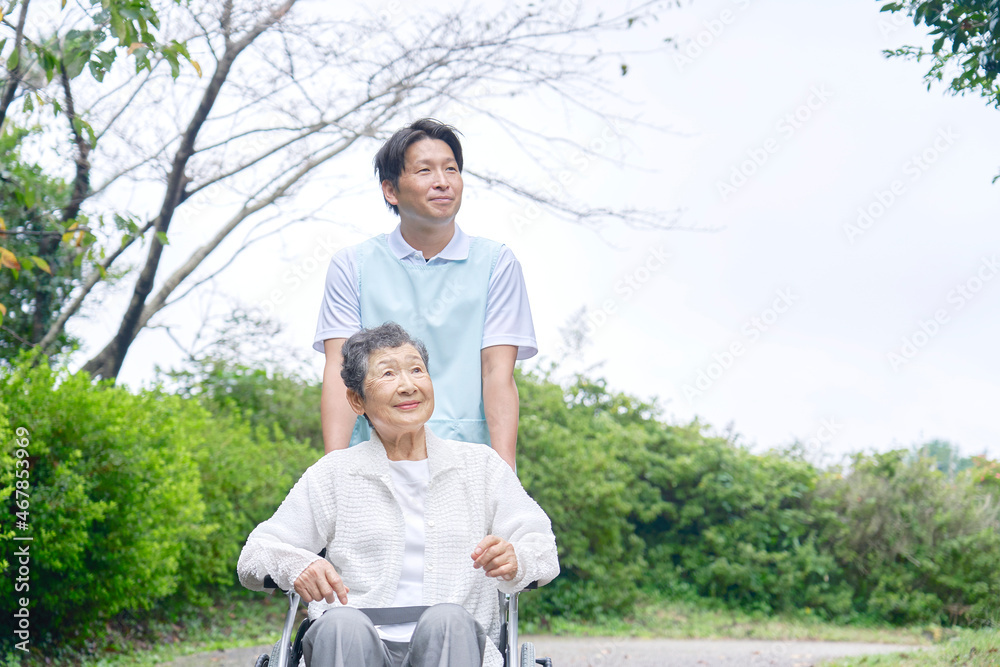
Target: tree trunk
column 14, row 77
column 108, row 362
column 49, row 243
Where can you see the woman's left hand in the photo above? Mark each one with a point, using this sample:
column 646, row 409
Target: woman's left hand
column 496, row 556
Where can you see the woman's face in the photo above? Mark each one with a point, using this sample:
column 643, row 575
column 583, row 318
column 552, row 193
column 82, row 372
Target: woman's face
column 399, row 396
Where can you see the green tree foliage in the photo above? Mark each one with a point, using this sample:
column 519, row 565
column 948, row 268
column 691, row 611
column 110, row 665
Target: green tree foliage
column 740, row 527
column 574, row 453
column 268, row 398
column 94, row 35
column 40, row 44
column 639, row 504
column 227, row 153
column 46, row 243
column 38, row 271
column 946, row 455
column 966, row 48
column 914, row 545
column 240, row 370
column 636, row 503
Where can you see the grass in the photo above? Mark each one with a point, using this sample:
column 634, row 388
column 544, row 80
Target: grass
column 969, row 648
column 688, row 620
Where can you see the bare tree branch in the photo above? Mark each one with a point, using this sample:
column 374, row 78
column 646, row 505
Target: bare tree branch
column 290, row 92
column 128, row 103
column 108, row 362
column 636, row 217
column 84, row 291
column 81, row 181
column 247, row 243
column 49, row 243
column 14, row 78
column 196, row 258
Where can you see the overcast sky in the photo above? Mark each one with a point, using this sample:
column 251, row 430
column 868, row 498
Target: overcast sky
column 847, row 295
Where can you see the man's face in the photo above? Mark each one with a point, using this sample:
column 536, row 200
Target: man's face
column 430, row 187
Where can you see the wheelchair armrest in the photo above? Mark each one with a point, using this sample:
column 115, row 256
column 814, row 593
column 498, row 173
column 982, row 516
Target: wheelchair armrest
column 270, row 584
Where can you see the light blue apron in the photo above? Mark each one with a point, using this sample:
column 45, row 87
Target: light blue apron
column 444, row 305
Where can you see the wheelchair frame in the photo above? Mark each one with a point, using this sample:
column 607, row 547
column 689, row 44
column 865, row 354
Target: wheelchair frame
column 287, row 653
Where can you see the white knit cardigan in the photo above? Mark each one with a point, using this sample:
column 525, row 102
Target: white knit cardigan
column 346, row 503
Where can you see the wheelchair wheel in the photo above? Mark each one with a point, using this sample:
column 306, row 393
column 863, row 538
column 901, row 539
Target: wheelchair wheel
column 275, row 653
column 527, row 654
column 296, row 653
column 262, row 660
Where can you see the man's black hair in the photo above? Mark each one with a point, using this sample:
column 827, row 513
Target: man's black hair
column 389, row 161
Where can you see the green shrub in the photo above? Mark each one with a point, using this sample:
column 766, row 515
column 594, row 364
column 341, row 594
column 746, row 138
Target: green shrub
column 985, row 474
column 572, row 449
column 7, row 480
column 638, row 503
column 914, row 545
column 134, row 497
column 245, row 473
column 114, row 495
column 246, row 461
column 738, row 527
column 263, row 396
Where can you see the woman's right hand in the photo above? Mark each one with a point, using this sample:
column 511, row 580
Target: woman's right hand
column 320, row 581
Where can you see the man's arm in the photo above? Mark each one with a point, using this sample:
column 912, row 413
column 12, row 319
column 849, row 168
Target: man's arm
column 500, row 399
column 335, row 412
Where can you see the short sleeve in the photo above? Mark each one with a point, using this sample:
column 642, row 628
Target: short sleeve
column 508, row 314
column 340, row 311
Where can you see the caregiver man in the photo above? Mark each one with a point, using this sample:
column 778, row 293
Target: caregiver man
column 464, row 296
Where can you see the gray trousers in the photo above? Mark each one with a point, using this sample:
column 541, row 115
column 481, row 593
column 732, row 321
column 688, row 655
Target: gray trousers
column 446, row 636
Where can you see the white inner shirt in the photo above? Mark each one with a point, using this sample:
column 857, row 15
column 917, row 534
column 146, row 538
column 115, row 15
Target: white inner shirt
column 410, row 479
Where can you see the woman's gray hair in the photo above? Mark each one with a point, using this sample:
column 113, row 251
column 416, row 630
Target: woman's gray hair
column 359, row 348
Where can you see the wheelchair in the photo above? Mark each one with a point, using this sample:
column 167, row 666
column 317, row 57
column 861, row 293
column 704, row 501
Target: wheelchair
column 288, row 653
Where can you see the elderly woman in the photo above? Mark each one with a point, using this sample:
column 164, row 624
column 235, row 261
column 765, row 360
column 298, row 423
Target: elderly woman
column 406, row 519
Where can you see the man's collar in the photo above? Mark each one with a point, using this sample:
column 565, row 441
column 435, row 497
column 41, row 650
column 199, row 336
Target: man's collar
column 457, row 248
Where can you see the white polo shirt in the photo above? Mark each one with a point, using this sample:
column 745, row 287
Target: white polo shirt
column 508, row 314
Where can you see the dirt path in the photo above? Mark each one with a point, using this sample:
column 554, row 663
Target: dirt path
column 626, row 652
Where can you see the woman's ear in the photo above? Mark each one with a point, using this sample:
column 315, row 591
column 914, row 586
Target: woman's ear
column 357, row 403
